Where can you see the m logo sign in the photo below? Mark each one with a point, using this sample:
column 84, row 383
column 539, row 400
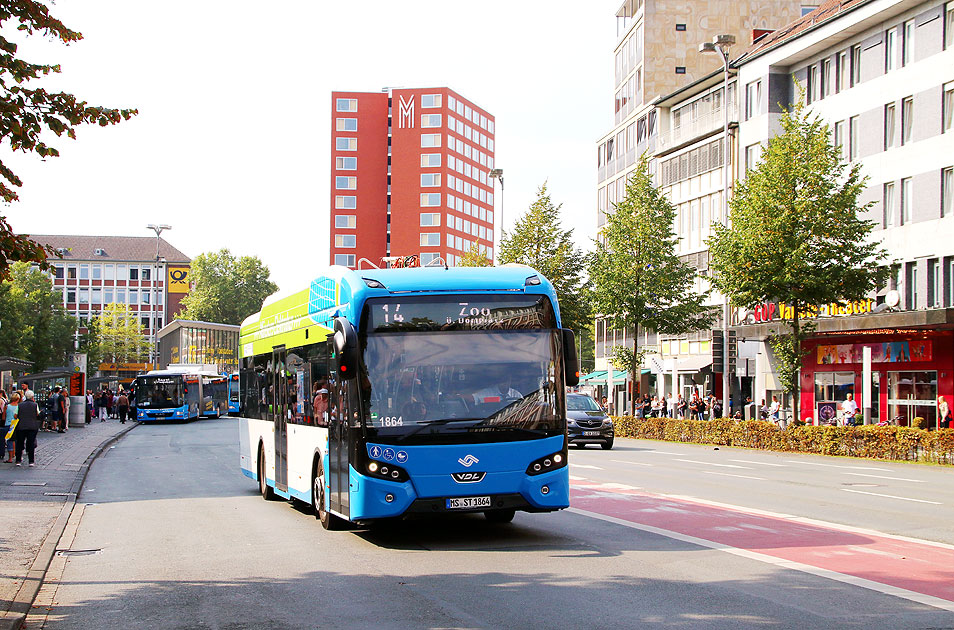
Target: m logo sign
column 406, row 113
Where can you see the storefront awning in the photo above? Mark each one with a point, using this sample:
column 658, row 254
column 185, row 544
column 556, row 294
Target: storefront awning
column 599, row 377
column 693, row 364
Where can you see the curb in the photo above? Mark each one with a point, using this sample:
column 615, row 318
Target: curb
column 13, row 618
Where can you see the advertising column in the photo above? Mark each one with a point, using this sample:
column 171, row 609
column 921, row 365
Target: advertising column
column 77, row 393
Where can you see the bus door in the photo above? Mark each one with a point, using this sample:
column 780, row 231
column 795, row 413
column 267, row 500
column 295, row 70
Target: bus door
column 280, row 418
column 339, row 437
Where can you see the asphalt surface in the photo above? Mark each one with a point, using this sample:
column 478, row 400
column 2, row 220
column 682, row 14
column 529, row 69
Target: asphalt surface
column 167, row 533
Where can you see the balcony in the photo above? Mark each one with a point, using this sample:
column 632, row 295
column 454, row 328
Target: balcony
column 692, row 130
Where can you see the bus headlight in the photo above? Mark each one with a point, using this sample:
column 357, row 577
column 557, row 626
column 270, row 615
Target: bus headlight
column 547, row 464
column 381, row 470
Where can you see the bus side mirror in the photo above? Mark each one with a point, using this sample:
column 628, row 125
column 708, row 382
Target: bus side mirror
column 345, row 342
column 571, row 365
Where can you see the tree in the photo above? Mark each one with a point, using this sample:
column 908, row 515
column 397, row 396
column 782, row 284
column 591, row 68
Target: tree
column 476, row 256
column 28, row 115
column 119, row 338
column 796, row 235
column 35, row 326
column 638, row 279
column 538, row 240
column 227, row 289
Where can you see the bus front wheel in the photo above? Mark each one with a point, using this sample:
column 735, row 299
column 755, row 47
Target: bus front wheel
column 267, row 493
column 327, row 519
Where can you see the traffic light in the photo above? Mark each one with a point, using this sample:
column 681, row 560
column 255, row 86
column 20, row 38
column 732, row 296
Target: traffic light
column 732, row 349
column 718, row 351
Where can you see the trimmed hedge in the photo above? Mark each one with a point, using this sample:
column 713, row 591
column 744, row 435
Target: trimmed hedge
column 888, row 443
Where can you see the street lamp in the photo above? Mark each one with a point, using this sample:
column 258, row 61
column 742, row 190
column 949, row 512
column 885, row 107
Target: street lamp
column 497, row 173
column 720, row 44
column 153, row 350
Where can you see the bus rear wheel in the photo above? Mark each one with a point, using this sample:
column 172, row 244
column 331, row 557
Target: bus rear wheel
column 328, row 520
column 267, row 493
column 499, row 516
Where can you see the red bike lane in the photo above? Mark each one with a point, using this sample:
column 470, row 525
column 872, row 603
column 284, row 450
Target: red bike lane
column 848, row 554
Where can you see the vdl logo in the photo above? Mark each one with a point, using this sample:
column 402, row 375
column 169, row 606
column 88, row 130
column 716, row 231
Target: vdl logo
column 468, row 461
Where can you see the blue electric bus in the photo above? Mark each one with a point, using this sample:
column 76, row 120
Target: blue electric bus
column 180, row 393
column 381, row 393
column 234, row 400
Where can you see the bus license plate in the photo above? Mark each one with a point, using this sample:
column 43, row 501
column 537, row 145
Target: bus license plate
column 468, row 503
column 591, row 434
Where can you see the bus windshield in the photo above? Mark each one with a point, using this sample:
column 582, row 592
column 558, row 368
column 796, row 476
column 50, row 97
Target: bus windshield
column 159, row 392
column 464, row 386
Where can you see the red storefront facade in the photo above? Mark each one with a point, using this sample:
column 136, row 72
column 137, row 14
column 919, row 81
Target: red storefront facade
column 911, row 360
column 910, row 368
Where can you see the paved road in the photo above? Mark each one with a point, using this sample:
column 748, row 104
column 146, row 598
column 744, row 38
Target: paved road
column 170, row 535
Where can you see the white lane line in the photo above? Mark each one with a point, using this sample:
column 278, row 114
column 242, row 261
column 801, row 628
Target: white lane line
column 749, row 461
column 619, row 486
column 585, row 466
column 663, row 452
column 920, row 598
column 575, row 478
column 890, row 496
column 795, row 461
column 623, row 461
column 693, row 461
column 886, row 477
column 732, row 475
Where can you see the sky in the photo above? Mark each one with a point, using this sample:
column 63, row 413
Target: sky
column 232, row 142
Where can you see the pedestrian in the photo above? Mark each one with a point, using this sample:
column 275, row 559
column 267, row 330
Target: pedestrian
column 66, row 410
column 9, row 414
column 848, row 410
column 27, row 425
column 89, row 405
column 58, row 409
column 122, row 407
column 944, row 418
column 109, row 403
column 670, row 406
column 774, row 411
column 682, row 407
column 103, row 405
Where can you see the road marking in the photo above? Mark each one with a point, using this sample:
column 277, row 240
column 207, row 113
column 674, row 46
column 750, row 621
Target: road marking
column 890, row 496
column 795, row 461
column 623, row 461
column 573, row 478
column 928, row 600
column 618, row 486
column 693, row 461
column 886, row 477
column 748, row 461
column 732, row 475
column 585, row 466
column 663, row 452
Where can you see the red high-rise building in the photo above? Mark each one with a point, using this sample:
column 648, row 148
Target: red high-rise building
column 411, row 175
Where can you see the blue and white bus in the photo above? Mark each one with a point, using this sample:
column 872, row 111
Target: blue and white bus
column 180, row 393
column 168, row 395
column 381, row 393
column 234, row 399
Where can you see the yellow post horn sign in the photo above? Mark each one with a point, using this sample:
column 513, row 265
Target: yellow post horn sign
column 178, row 280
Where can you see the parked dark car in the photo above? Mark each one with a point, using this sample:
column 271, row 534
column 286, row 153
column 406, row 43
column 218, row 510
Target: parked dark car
column 587, row 422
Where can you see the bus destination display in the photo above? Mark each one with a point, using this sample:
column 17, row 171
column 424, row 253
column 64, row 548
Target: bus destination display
column 479, row 312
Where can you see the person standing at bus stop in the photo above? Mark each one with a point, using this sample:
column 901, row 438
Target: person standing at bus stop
column 28, row 425
column 122, row 405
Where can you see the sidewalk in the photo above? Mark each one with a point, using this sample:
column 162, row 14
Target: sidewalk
column 35, row 504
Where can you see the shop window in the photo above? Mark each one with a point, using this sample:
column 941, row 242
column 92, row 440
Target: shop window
column 833, row 387
column 913, row 395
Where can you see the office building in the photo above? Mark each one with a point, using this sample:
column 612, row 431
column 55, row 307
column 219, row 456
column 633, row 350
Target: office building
column 411, row 176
